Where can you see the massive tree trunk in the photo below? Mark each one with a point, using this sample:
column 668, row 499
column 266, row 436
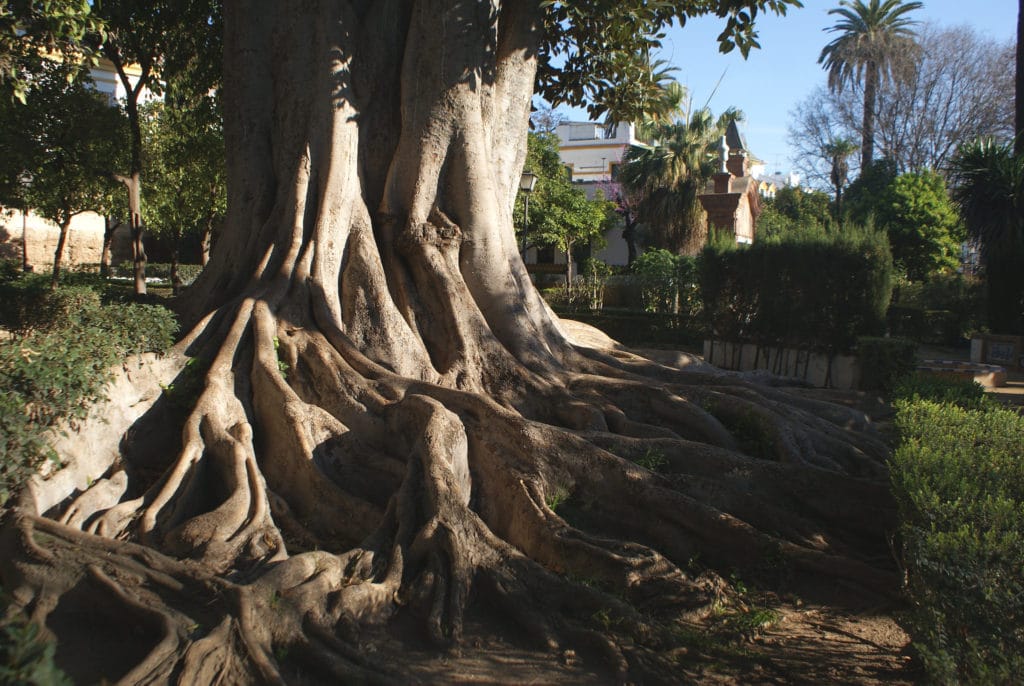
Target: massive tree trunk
column 389, row 423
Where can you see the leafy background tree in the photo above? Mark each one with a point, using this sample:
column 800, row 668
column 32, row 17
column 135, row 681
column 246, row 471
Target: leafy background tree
column 65, row 136
column 561, row 215
column 923, row 225
column 988, row 187
column 30, row 29
column 174, row 46
column 669, row 175
column 184, row 161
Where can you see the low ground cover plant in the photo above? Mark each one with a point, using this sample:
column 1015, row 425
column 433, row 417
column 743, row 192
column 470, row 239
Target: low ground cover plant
column 57, row 360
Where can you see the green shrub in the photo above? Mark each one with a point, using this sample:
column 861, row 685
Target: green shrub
column 883, row 361
column 58, row 365
column 25, row 659
column 968, row 395
column 958, row 479
column 810, row 290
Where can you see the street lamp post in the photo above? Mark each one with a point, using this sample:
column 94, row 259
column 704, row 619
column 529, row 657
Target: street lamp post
column 25, row 179
column 526, row 183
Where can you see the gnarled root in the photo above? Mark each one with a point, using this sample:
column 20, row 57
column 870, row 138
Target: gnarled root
column 319, row 498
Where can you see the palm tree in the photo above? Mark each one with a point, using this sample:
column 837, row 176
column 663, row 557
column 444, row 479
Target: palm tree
column 988, row 186
column 871, row 38
column 839, row 150
column 669, row 176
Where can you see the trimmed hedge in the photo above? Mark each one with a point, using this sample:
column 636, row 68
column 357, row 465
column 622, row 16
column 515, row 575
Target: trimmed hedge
column 958, row 479
column 810, row 291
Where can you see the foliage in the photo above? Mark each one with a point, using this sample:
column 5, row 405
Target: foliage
column 59, row 363
column 958, row 87
column 184, row 167
column 25, row 658
column 988, row 187
column 884, row 361
column 560, row 213
column 793, row 209
column 64, row 137
column 669, row 176
column 965, row 394
column 805, row 291
column 667, row 282
column 923, row 225
column 944, row 310
column 872, row 36
column 864, row 192
column 30, row 29
column 959, row 483
column 595, row 54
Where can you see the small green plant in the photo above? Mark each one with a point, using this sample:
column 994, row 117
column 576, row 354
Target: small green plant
column 25, row 658
column 556, row 498
column 652, row 459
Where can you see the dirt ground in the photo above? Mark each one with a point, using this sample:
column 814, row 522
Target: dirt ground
column 808, row 643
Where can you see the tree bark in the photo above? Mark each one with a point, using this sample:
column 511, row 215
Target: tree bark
column 1018, row 145
column 381, row 416
column 867, row 146
column 58, row 253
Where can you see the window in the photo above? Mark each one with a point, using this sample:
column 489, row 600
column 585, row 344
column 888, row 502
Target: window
column 614, row 170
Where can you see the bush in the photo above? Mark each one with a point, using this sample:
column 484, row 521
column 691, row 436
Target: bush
column 883, row 361
column 958, row 479
column 59, row 363
column 968, row 395
column 811, row 290
column 25, row 659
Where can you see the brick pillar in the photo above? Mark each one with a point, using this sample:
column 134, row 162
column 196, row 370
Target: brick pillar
column 722, row 181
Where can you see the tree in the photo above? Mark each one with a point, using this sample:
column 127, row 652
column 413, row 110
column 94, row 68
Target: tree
column 959, row 87
column 871, row 38
column 153, row 45
column 389, row 425
column 185, row 165
column 794, row 210
column 670, row 175
column 560, row 213
column 61, row 135
column 43, row 28
column 1018, row 119
column 988, row 187
column 923, row 225
column 838, row 151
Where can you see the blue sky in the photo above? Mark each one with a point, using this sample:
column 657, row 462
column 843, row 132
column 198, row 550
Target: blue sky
column 770, row 83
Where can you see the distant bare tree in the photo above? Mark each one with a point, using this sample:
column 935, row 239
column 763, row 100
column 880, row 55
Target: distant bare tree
column 961, row 87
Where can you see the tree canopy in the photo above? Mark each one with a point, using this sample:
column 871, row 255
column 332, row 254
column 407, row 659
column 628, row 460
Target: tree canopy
column 873, row 36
